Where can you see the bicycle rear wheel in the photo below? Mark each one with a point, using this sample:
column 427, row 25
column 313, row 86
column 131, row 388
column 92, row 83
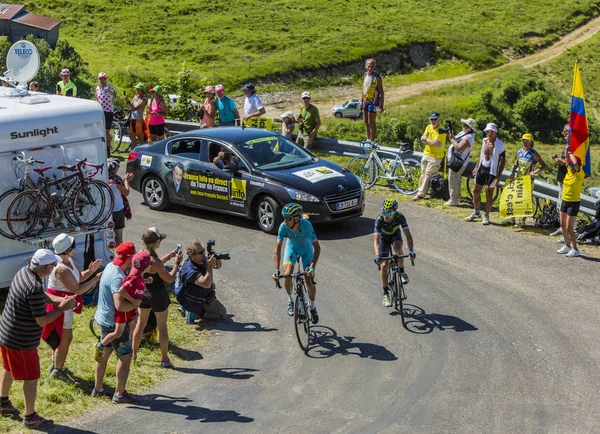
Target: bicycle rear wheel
column 116, row 136
column 365, row 168
column 28, row 214
column 407, row 181
column 88, row 204
column 302, row 322
column 471, row 182
column 5, row 200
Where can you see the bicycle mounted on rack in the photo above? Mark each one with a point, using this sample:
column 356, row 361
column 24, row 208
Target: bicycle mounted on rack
column 403, row 172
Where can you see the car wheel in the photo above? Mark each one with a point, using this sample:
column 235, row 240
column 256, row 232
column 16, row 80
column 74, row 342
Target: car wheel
column 155, row 193
column 338, row 115
column 268, row 214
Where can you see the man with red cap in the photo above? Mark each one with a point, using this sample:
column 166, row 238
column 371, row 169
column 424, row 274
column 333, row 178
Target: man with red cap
column 109, row 299
column 66, row 87
column 228, row 112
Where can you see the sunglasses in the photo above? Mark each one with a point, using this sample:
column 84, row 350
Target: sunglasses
column 306, row 97
column 287, row 219
column 388, row 213
column 201, row 252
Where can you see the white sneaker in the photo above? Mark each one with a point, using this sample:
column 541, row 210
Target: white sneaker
column 573, row 253
column 556, row 233
column 486, row 219
column 564, row 249
column 450, row 203
column 472, row 217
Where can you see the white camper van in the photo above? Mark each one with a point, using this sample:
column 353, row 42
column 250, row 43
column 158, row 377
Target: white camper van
column 56, row 130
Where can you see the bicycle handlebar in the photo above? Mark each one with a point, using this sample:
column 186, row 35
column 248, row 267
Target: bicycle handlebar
column 394, row 258
column 29, row 160
column 293, row 275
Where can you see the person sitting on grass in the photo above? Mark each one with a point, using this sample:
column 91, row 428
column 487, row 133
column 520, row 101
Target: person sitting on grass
column 131, row 290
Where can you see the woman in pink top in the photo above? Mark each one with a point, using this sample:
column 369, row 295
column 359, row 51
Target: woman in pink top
column 210, row 107
column 158, row 111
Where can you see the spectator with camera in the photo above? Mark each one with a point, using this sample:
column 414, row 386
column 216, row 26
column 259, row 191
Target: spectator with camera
column 209, row 108
column 434, row 139
column 309, row 122
column 561, row 170
column 156, row 295
column 195, row 288
column 458, row 157
column 487, row 172
column 228, row 112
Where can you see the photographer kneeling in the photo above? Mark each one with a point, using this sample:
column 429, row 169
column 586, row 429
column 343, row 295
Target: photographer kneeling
column 195, row 290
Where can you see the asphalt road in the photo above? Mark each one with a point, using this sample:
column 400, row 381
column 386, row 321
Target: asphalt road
column 504, row 337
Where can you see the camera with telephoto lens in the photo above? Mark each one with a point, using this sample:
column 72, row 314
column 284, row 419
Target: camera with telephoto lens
column 211, row 251
column 449, row 128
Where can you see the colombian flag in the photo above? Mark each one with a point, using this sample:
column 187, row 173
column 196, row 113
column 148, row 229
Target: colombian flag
column 579, row 142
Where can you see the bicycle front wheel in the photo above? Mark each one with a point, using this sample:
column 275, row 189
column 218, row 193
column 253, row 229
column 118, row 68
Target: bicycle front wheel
column 400, row 296
column 365, row 168
column 116, row 136
column 88, row 204
column 28, row 214
column 302, row 323
column 109, row 200
column 471, row 182
column 406, row 180
column 5, row 200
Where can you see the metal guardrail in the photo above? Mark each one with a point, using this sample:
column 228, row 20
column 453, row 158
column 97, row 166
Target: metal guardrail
column 541, row 189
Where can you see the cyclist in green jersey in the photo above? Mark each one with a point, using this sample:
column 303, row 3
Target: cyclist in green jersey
column 387, row 234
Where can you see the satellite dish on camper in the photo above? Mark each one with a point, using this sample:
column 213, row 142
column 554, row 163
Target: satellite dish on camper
column 23, row 62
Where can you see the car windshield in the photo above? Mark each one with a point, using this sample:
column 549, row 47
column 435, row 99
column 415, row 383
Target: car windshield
column 274, row 153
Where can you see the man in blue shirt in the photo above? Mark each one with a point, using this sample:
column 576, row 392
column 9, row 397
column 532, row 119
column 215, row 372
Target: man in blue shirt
column 110, row 282
column 228, row 112
column 302, row 243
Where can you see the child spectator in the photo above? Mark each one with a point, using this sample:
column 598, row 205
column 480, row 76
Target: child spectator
column 131, row 290
column 120, row 189
column 287, row 125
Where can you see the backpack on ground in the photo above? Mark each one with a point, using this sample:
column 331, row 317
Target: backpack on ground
column 439, row 187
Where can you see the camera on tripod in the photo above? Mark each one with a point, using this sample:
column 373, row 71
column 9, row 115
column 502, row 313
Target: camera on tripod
column 211, row 251
column 448, row 129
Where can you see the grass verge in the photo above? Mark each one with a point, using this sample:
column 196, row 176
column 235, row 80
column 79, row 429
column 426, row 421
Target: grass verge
column 62, row 401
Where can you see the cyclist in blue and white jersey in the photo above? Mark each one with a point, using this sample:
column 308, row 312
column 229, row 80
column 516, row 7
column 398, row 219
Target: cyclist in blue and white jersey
column 387, row 234
column 302, row 242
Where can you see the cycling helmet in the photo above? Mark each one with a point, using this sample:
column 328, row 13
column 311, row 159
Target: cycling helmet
column 114, row 164
column 291, row 210
column 389, row 204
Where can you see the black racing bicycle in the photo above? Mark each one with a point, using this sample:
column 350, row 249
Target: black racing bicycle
column 395, row 285
column 302, row 317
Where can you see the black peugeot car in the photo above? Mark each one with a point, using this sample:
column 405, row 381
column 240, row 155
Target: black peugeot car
column 243, row 171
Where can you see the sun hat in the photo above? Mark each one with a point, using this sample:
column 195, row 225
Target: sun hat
column 152, row 235
column 44, row 257
column 123, row 253
column 64, row 72
column 102, row 75
column 527, row 137
column 287, row 115
column 306, row 94
column 434, row 115
column 62, row 242
column 139, row 262
column 158, row 90
column 219, row 88
column 470, row 122
column 141, row 86
column 491, row 127
column 209, row 89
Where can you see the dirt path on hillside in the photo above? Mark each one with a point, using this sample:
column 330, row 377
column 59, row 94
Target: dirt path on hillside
column 325, row 98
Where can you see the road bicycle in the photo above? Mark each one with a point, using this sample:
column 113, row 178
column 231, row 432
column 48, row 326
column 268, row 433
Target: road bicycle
column 402, row 172
column 120, row 125
column 76, row 198
column 21, row 168
column 396, row 287
column 302, row 317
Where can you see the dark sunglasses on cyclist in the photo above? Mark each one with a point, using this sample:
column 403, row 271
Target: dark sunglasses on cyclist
column 287, row 219
column 388, row 213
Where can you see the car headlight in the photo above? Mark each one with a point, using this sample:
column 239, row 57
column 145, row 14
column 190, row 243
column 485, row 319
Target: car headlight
column 361, row 182
column 301, row 195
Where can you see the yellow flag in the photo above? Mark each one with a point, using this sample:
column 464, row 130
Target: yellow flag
column 517, row 198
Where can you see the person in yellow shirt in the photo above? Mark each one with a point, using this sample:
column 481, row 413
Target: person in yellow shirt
column 432, row 154
column 571, row 199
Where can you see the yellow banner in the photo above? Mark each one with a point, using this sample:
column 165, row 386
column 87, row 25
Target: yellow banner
column 517, row 198
column 263, row 123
